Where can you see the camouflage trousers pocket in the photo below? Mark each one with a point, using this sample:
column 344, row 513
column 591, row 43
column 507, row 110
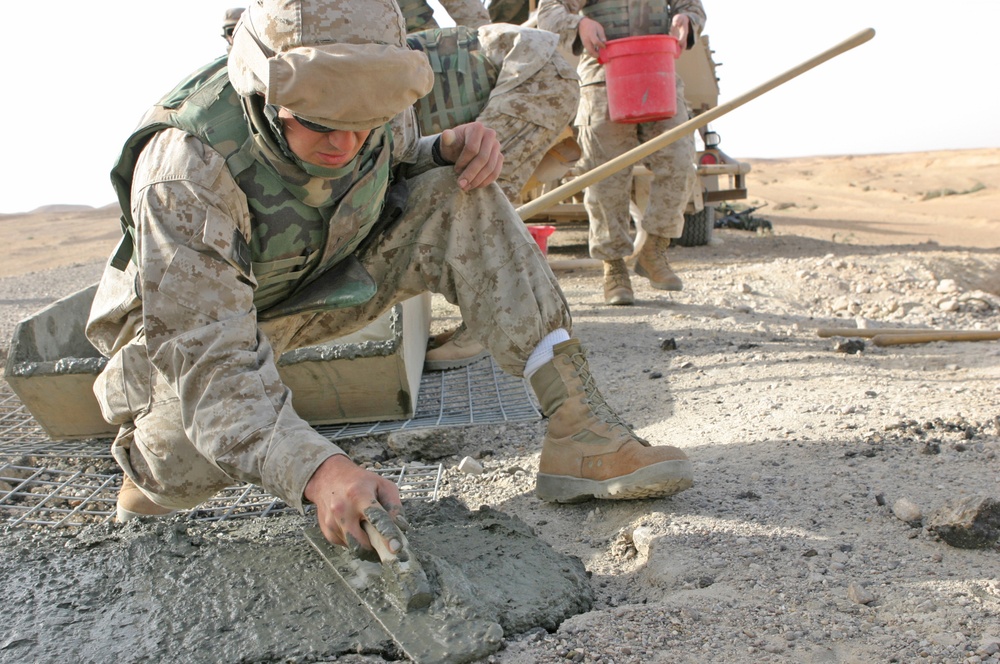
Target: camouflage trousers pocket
column 123, row 389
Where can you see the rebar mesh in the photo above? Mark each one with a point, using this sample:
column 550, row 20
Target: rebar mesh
column 58, row 497
column 47, row 496
column 477, row 394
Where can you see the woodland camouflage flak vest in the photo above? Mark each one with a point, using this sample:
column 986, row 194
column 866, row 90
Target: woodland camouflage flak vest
column 463, row 78
column 619, row 22
column 419, row 15
column 292, row 242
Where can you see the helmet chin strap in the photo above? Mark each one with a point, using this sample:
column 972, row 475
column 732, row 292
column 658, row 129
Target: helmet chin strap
column 265, row 122
column 277, row 128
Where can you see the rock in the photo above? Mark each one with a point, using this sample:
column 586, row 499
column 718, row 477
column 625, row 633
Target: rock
column 470, row 466
column 859, row 594
column 642, row 538
column 851, row 346
column 989, row 645
column 947, row 286
column 424, row 443
column 906, row 510
column 971, row 522
column 840, row 304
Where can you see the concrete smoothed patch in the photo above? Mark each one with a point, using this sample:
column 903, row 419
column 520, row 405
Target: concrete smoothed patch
column 258, row 591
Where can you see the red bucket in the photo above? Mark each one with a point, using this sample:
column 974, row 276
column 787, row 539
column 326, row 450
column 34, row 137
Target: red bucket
column 541, row 236
column 640, row 78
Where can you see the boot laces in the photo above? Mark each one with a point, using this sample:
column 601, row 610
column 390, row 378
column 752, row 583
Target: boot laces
column 594, row 397
column 659, row 247
column 616, row 276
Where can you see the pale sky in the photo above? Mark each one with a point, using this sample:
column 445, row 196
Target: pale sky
column 78, row 76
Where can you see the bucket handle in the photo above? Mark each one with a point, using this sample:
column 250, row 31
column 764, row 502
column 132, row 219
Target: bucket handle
column 675, row 52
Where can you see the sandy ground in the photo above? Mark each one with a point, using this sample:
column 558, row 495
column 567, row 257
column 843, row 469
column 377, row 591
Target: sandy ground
column 810, row 534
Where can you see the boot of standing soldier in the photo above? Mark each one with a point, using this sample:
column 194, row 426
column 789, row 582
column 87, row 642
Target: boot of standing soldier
column 588, row 451
column 617, row 285
column 652, row 264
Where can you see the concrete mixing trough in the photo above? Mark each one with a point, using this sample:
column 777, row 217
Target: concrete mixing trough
column 371, row 375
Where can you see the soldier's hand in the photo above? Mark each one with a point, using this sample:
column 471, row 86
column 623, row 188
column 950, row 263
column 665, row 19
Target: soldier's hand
column 345, row 495
column 680, row 26
column 475, row 151
column 591, row 36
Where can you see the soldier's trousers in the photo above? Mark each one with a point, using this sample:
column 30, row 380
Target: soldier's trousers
column 607, row 201
column 470, row 247
column 545, row 105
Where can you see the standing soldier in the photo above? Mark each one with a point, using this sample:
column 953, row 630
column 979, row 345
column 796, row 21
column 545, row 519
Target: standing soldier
column 420, row 16
column 229, row 21
column 586, row 26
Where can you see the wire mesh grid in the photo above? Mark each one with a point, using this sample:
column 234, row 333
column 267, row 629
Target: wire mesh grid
column 19, row 433
column 477, row 394
column 40, row 495
column 56, row 497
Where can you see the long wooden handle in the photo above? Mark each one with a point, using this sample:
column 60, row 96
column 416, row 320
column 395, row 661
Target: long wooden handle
column 867, row 333
column 926, row 337
column 636, row 154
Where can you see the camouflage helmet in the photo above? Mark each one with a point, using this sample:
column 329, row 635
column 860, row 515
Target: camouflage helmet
column 230, row 19
column 304, row 54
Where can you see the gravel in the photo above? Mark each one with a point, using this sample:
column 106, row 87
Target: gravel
column 804, row 538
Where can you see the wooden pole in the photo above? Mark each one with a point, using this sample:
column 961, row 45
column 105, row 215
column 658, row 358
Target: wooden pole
column 636, row 154
column 937, row 335
column 868, row 333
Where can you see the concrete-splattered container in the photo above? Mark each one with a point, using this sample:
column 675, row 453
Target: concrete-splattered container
column 371, row 375
column 52, row 366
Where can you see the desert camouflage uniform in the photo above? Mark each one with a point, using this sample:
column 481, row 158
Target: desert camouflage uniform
column 601, row 140
column 420, row 16
column 533, row 98
column 189, row 328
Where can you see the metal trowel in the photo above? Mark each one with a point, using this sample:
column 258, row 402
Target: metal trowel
column 397, row 593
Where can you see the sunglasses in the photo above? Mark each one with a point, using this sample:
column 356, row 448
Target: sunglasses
column 312, row 126
column 228, row 32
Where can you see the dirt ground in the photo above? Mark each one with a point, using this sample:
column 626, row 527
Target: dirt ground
column 820, row 473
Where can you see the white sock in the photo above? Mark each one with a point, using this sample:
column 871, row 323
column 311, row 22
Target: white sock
column 543, row 351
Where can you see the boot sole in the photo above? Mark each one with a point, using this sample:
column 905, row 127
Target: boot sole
column 621, row 300
column 662, row 479
column 123, row 515
column 458, row 363
column 659, row 285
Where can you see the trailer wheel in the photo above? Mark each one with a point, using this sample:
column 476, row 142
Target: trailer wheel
column 697, row 228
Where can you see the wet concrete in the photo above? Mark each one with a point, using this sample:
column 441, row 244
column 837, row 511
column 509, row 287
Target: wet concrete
column 257, row 591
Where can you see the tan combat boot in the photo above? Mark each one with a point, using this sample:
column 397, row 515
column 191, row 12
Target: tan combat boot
column 617, row 286
column 652, row 264
column 459, row 349
column 588, row 452
column 133, row 503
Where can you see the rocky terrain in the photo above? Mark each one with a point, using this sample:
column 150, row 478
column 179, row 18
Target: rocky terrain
column 819, row 525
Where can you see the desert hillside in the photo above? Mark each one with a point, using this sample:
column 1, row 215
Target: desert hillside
column 951, row 198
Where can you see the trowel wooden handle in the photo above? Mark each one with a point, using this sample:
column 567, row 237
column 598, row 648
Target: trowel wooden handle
column 926, row 337
column 378, row 542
